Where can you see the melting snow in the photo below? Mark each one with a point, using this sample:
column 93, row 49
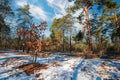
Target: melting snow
column 60, row 67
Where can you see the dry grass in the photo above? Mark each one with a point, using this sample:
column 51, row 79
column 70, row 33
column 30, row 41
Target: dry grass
column 55, row 64
column 91, row 56
column 31, row 68
column 81, row 55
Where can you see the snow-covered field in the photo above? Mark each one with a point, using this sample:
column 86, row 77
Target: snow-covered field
column 59, row 67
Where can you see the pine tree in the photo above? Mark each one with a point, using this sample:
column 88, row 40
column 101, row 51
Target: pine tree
column 5, row 11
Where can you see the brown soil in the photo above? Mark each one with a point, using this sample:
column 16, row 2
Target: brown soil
column 32, row 67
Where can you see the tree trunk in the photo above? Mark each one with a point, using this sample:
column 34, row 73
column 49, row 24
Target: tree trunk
column 89, row 36
column 0, row 39
column 117, row 35
column 70, row 41
column 35, row 57
column 116, row 21
column 63, row 40
column 23, row 48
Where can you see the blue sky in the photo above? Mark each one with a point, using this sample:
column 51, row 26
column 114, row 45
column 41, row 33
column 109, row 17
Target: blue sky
column 47, row 10
column 43, row 10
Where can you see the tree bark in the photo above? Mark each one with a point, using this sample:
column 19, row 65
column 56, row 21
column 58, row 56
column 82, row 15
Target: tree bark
column 63, row 40
column 70, row 42
column 35, row 57
column 89, row 36
column 117, row 27
column 116, row 21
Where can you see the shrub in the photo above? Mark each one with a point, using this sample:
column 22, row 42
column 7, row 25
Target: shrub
column 82, row 47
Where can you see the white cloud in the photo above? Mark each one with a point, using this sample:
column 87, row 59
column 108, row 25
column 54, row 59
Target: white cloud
column 21, row 3
column 77, row 13
column 59, row 7
column 36, row 11
column 58, row 16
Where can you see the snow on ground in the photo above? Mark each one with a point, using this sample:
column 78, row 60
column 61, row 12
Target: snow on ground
column 60, row 67
column 60, row 70
column 98, row 69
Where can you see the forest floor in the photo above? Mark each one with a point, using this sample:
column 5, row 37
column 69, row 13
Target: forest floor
column 15, row 66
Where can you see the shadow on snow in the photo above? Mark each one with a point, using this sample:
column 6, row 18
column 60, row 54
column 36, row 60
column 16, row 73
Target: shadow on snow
column 75, row 73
